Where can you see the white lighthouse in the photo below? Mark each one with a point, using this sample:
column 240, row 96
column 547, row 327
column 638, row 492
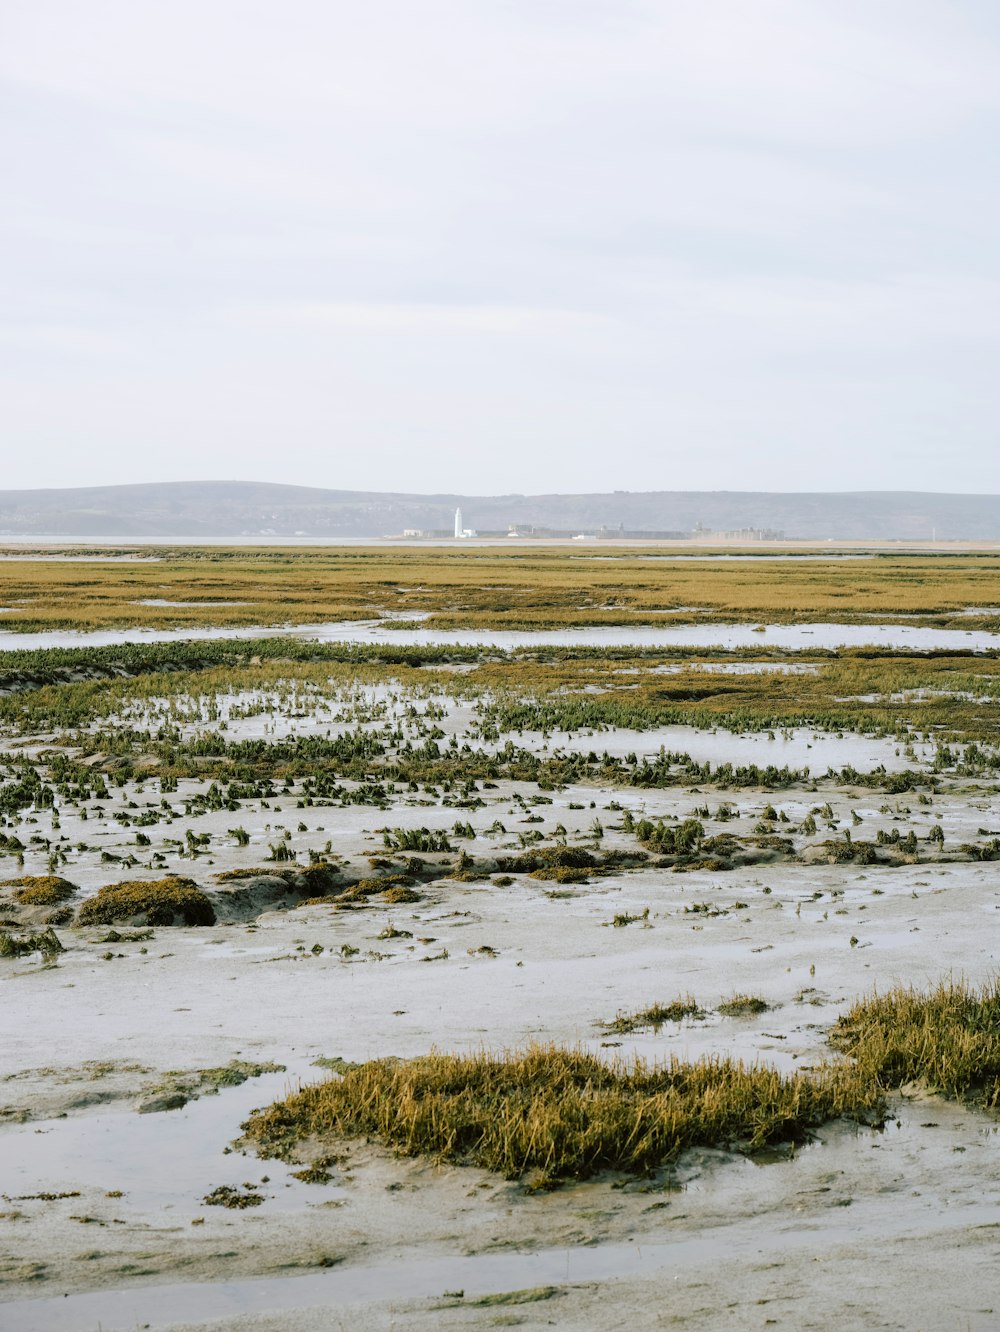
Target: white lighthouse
column 458, row 523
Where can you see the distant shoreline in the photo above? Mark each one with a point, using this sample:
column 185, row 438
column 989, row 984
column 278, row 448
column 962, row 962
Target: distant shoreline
column 18, row 545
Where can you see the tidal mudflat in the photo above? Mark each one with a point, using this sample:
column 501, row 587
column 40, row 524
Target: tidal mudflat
column 251, row 885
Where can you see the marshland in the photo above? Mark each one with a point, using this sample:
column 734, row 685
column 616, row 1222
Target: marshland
column 446, row 982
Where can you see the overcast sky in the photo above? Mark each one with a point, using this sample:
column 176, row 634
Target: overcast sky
column 501, row 245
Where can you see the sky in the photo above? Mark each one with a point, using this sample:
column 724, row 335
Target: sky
column 494, row 246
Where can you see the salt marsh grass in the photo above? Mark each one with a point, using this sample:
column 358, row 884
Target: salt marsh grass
column 947, row 1038
column 624, row 1024
column 560, row 1114
column 483, row 587
column 876, row 693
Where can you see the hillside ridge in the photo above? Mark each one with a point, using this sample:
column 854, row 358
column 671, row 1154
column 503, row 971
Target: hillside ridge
column 219, row 509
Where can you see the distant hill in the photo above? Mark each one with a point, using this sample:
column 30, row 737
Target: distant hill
column 221, row 509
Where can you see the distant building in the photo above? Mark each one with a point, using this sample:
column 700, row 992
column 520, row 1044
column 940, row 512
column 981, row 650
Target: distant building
column 743, row 534
column 532, row 531
column 461, row 531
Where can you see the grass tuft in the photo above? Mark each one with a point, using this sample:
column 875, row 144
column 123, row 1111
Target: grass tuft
column 654, row 1016
column 743, row 1005
column 948, row 1039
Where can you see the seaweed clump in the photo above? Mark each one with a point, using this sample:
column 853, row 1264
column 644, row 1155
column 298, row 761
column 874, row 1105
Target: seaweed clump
column 227, row 1196
column 561, row 874
column 548, row 858
column 149, row 902
column 12, row 945
column 41, row 889
column 394, row 889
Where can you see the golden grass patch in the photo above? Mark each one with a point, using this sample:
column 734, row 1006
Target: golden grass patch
column 947, row 1038
column 489, row 587
column 561, row 1114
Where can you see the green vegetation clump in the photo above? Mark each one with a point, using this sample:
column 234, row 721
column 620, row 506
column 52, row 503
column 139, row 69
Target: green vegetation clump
column 316, row 880
column 561, row 874
column 531, row 1295
column 41, row 889
column 560, row 1114
column 655, row 1016
column 157, row 901
column 416, row 839
column 379, row 883
column 394, row 889
column 336, row 1063
column 12, row 945
column 261, row 872
column 623, row 918
column 235, row 1073
column 312, row 1174
column 948, row 1039
column 228, row 1196
column 400, row 895
column 208, row 1081
column 743, row 1005
column 684, row 839
column 847, row 852
column 548, row 858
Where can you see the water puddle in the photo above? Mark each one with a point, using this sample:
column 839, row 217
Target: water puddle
column 162, row 601
column 814, row 752
column 731, row 668
column 161, row 1306
column 786, row 636
column 163, row 1162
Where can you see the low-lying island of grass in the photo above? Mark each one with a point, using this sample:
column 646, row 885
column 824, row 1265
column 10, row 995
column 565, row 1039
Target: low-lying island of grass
column 555, row 1114
column 561, row 1114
